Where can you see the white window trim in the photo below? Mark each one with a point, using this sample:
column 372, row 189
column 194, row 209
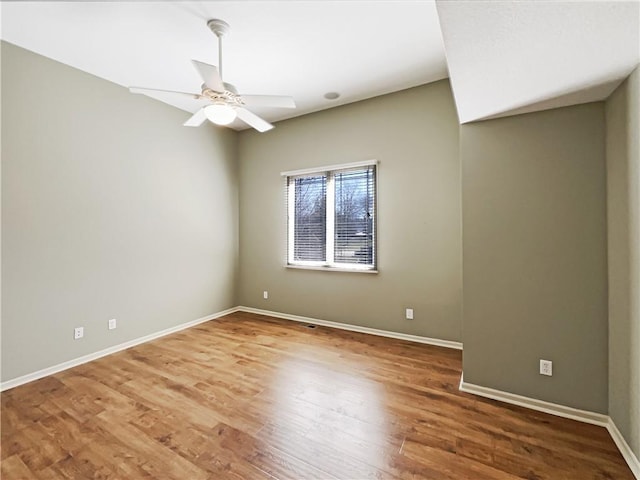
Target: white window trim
column 331, row 218
column 325, row 268
column 328, row 170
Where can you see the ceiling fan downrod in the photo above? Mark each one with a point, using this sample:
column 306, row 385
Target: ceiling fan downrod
column 219, row 28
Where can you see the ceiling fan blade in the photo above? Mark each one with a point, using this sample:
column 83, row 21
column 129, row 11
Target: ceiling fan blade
column 196, row 119
column 152, row 91
column 210, row 75
column 253, row 120
column 279, row 101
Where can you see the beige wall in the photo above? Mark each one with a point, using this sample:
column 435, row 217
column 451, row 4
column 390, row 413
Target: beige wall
column 623, row 214
column 534, row 255
column 414, row 136
column 110, row 209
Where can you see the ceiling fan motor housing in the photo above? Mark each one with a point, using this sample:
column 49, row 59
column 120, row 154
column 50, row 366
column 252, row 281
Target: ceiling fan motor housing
column 229, row 96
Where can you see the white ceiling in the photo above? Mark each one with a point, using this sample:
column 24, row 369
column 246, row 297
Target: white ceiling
column 300, row 48
column 503, row 57
column 508, row 57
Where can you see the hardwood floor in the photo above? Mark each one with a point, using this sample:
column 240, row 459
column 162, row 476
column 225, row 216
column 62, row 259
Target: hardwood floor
column 252, row 397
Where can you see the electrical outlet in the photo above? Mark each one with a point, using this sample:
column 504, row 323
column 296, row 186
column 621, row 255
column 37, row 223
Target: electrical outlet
column 546, row 367
column 78, row 332
column 112, row 324
column 265, row 294
column 409, row 313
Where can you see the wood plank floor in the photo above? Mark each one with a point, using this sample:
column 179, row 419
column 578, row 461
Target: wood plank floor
column 252, row 397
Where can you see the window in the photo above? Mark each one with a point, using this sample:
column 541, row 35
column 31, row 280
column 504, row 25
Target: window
column 331, row 217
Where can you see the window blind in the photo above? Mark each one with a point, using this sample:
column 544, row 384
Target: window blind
column 332, row 217
column 310, row 219
column 354, row 214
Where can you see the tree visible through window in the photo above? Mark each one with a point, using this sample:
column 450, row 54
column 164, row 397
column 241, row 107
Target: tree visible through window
column 310, row 221
column 332, row 218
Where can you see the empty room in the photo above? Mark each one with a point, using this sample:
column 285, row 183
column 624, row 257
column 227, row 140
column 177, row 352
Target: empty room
column 325, row 239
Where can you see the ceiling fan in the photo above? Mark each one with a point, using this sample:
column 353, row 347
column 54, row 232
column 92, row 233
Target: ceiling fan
column 222, row 101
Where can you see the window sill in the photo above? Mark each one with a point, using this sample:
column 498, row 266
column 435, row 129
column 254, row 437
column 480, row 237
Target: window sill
column 329, row 269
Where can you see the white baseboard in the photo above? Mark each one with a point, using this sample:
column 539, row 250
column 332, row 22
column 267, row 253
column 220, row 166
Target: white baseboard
column 625, row 449
column 30, row 377
column 534, row 404
column 561, row 411
column 355, row 328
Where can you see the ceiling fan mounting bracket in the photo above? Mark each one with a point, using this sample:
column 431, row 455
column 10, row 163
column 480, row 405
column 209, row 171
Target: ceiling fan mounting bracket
column 219, row 27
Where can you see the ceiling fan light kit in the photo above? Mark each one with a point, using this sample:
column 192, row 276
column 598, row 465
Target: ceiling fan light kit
column 226, row 104
column 220, row 114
